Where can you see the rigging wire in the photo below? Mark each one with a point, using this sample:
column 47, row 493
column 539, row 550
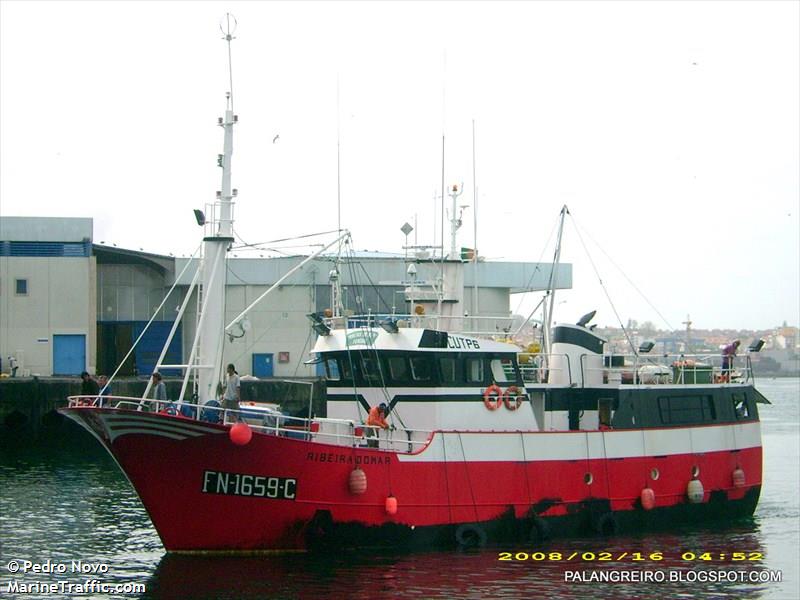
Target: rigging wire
column 622, row 272
column 605, row 290
column 287, row 239
column 530, row 281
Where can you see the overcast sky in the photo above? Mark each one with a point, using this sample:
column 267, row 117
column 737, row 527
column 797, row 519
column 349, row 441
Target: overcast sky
column 671, row 130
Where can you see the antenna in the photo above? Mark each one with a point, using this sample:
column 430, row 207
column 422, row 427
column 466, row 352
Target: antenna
column 227, row 26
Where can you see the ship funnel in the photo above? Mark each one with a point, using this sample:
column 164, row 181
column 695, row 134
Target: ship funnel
column 576, row 356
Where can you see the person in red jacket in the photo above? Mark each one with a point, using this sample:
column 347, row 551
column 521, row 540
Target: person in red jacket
column 376, row 418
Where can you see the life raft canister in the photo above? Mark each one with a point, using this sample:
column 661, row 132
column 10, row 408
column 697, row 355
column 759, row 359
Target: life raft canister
column 512, row 398
column 493, row 397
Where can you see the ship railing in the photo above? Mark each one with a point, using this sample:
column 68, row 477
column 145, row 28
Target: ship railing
column 334, row 432
column 536, row 368
column 665, row 369
column 494, row 327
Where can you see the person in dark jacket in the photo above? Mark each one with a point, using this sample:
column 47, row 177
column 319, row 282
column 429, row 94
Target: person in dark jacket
column 89, row 386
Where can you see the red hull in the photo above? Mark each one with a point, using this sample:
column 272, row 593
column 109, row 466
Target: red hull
column 177, row 467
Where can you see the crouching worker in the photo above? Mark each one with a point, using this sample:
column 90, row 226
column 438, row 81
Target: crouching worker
column 376, row 418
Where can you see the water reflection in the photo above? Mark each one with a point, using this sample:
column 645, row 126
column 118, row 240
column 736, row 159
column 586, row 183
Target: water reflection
column 462, row 575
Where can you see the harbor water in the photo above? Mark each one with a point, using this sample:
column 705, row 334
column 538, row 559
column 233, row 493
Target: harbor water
column 65, row 505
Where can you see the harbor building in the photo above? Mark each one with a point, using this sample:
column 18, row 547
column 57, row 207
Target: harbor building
column 68, row 304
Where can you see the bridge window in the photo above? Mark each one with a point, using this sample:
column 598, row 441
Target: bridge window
column 370, row 369
column 449, row 368
column 503, row 370
column 676, row 410
column 21, row 287
column 398, row 368
column 346, row 370
column 474, row 370
column 421, row 368
column 740, row 406
column 332, row 370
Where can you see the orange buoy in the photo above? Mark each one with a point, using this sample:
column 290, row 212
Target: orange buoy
column 738, row 477
column 493, row 397
column 512, row 398
column 648, row 498
column 391, row 505
column 241, row 434
column 357, row 481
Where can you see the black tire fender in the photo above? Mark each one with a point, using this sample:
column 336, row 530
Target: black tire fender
column 607, row 524
column 470, row 536
column 539, row 530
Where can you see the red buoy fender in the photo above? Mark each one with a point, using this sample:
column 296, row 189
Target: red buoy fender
column 493, row 397
column 648, row 498
column 738, row 478
column 512, row 398
column 357, row 481
column 241, row 434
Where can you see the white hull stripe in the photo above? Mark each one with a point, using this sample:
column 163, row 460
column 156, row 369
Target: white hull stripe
column 189, row 427
column 119, row 425
column 586, row 445
column 115, row 433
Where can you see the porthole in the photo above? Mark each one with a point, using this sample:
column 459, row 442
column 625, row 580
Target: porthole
column 587, row 479
column 654, row 474
column 695, row 472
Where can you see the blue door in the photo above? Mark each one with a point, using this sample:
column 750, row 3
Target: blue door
column 262, row 365
column 69, row 354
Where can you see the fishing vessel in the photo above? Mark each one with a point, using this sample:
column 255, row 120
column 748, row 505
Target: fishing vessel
column 484, row 442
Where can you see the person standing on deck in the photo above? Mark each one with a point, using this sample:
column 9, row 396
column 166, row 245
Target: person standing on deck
column 377, row 416
column 159, row 387
column 13, row 365
column 728, row 354
column 233, row 390
column 88, row 385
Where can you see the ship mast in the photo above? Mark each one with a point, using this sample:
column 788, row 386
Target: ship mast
column 207, row 353
column 549, row 301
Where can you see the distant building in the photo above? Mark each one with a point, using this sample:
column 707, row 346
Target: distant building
column 68, row 305
column 47, row 289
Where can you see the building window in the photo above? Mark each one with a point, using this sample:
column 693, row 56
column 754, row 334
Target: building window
column 21, row 287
